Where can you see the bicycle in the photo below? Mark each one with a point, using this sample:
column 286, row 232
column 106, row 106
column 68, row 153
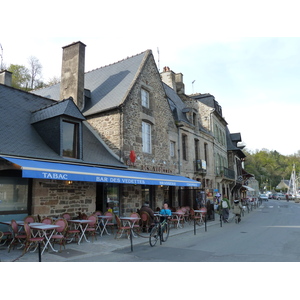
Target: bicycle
column 237, row 218
column 160, row 230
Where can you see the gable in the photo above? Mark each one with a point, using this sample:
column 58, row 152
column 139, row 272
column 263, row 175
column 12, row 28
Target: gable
column 108, row 86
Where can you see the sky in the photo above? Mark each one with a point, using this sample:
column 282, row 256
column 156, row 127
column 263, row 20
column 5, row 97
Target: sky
column 245, row 54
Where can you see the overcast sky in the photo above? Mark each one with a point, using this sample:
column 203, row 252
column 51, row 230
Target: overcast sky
column 247, row 56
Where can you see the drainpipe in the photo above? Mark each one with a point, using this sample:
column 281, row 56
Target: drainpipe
column 179, row 146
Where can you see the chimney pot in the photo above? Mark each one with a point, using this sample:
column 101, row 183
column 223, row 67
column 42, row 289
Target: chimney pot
column 6, row 77
column 72, row 73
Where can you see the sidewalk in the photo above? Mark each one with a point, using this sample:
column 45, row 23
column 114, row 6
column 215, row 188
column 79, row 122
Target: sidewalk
column 102, row 246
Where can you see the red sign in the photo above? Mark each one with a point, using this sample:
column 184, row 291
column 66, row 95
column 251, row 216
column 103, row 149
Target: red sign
column 132, row 156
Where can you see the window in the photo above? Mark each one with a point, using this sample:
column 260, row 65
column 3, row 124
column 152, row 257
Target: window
column 146, row 136
column 145, row 98
column 70, row 139
column 184, row 147
column 172, row 149
column 196, row 149
column 194, row 119
column 206, row 152
column 13, row 194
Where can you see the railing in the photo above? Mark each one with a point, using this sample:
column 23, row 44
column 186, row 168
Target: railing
column 200, row 166
column 225, row 172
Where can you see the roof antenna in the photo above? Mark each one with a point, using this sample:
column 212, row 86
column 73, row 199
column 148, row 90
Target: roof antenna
column 1, row 55
column 193, row 86
column 158, row 59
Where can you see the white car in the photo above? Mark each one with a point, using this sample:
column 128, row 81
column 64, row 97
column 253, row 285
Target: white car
column 263, row 197
column 280, row 196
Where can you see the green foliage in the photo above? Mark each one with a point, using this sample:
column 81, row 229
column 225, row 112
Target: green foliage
column 270, row 167
column 20, row 76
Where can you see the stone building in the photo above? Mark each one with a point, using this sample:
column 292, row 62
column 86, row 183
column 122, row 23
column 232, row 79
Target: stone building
column 196, row 141
column 126, row 104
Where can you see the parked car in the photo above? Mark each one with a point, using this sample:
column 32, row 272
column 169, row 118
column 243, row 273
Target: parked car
column 280, row 196
column 263, row 197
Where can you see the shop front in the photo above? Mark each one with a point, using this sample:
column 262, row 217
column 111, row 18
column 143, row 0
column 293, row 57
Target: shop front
column 51, row 188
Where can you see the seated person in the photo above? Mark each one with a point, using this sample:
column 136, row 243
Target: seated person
column 145, row 207
column 165, row 211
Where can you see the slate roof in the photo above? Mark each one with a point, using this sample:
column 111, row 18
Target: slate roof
column 65, row 107
column 108, row 85
column 19, row 138
column 232, row 140
column 176, row 104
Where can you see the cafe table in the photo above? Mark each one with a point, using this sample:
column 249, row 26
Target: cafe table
column 130, row 221
column 179, row 216
column 45, row 230
column 200, row 213
column 82, row 225
column 103, row 220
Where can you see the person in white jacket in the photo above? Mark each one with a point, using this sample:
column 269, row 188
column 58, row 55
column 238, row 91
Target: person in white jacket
column 237, row 209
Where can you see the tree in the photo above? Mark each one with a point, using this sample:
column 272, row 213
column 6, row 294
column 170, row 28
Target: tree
column 270, row 166
column 20, row 76
column 35, row 69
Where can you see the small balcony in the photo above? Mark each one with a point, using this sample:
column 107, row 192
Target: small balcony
column 225, row 172
column 200, row 166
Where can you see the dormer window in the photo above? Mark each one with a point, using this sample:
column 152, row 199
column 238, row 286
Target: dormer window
column 60, row 126
column 70, row 139
column 145, row 98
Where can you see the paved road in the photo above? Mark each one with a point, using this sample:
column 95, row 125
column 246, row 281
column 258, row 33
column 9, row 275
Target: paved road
column 270, row 233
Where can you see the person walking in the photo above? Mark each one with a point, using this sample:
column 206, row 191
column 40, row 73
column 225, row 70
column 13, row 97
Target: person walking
column 225, row 205
column 237, row 209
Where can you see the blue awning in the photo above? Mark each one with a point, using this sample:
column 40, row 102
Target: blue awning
column 62, row 171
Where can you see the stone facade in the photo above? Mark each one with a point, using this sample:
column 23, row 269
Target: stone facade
column 55, row 197
column 121, row 129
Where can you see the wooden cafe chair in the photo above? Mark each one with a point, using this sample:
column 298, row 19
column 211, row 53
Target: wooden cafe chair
column 60, row 233
column 91, row 229
column 18, row 238
column 110, row 223
column 47, row 220
column 30, row 240
column 121, row 228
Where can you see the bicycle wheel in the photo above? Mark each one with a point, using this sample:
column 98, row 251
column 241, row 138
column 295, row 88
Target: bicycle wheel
column 165, row 232
column 154, row 234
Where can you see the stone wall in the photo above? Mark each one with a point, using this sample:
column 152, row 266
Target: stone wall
column 53, row 198
column 131, row 199
column 121, row 130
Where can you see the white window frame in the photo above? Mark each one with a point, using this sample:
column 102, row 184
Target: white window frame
column 172, row 149
column 146, row 137
column 145, row 98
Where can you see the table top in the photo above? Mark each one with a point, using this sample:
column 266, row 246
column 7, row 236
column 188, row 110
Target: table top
column 105, row 217
column 177, row 213
column 44, row 226
column 21, row 223
column 129, row 218
column 80, row 221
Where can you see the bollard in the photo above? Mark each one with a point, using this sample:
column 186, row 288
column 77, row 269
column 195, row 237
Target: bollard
column 40, row 254
column 194, row 225
column 220, row 220
column 160, row 231
column 131, row 240
column 205, row 223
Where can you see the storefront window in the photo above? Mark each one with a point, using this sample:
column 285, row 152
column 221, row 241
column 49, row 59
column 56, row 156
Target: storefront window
column 112, row 198
column 148, row 194
column 13, row 194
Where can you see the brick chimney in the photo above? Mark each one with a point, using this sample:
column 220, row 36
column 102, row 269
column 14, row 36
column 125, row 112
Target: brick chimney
column 6, row 77
column 173, row 80
column 72, row 73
